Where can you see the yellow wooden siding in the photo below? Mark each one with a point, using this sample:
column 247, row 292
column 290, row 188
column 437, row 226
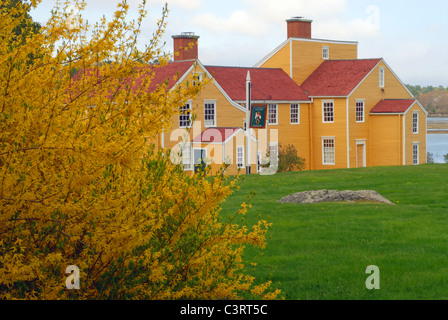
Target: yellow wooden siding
column 370, row 92
column 293, row 134
column 281, row 59
column 337, row 129
column 386, row 140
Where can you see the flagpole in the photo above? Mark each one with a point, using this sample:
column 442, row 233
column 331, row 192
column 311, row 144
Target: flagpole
column 248, row 132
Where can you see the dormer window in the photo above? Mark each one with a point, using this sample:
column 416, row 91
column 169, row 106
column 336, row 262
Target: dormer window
column 325, row 53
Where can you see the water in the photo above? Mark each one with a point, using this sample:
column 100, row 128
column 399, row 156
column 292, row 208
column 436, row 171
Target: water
column 437, row 144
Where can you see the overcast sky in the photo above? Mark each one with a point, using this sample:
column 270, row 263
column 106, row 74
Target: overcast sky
column 411, row 35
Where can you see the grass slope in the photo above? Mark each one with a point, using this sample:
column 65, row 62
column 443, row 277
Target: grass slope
column 321, row 251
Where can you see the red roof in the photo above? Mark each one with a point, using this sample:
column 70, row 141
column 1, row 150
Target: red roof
column 393, row 106
column 338, row 78
column 215, row 135
column 171, row 72
column 267, row 84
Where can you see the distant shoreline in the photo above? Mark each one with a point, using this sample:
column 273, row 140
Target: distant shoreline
column 438, row 115
column 437, row 125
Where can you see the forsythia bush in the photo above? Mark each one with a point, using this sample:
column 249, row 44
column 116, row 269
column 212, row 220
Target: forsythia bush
column 81, row 185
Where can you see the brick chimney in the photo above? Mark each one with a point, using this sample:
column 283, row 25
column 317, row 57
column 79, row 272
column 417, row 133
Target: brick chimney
column 182, row 49
column 299, row 27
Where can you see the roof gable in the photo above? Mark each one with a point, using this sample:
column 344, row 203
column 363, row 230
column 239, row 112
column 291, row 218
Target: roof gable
column 267, row 84
column 338, row 78
column 393, row 106
column 290, row 40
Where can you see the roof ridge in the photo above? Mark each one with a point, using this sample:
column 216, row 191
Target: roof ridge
column 364, row 59
column 236, row 67
column 399, row 99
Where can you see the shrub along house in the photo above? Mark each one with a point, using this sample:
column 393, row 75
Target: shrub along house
column 338, row 111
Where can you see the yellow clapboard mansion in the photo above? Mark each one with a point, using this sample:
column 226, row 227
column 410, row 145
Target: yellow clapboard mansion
column 338, row 111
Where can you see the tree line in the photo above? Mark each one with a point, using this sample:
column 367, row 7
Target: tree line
column 434, row 99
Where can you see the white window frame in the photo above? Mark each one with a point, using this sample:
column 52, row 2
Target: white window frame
column 181, row 115
column 360, row 118
column 415, row 122
column 324, row 102
column 416, row 153
column 382, row 77
column 296, row 106
column 240, row 155
column 325, row 159
column 326, row 53
column 193, row 160
column 187, row 160
column 207, row 123
column 271, row 107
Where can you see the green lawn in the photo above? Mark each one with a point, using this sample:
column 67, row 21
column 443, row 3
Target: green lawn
column 321, row 251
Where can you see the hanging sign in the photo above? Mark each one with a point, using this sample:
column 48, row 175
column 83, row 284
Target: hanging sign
column 258, row 117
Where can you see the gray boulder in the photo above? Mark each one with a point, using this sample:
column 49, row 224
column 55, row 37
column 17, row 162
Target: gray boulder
column 317, row 196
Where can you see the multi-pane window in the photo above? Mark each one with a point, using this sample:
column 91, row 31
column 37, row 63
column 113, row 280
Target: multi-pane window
column 272, row 114
column 328, row 111
column 240, row 157
column 184, row 117
column 295, row 113
column 415, row 153
column 328, row 151
column 381, row 75
column 359, row 111
column 186, row 156
column 415, row 122
column 210, row 114
column 326, row 53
